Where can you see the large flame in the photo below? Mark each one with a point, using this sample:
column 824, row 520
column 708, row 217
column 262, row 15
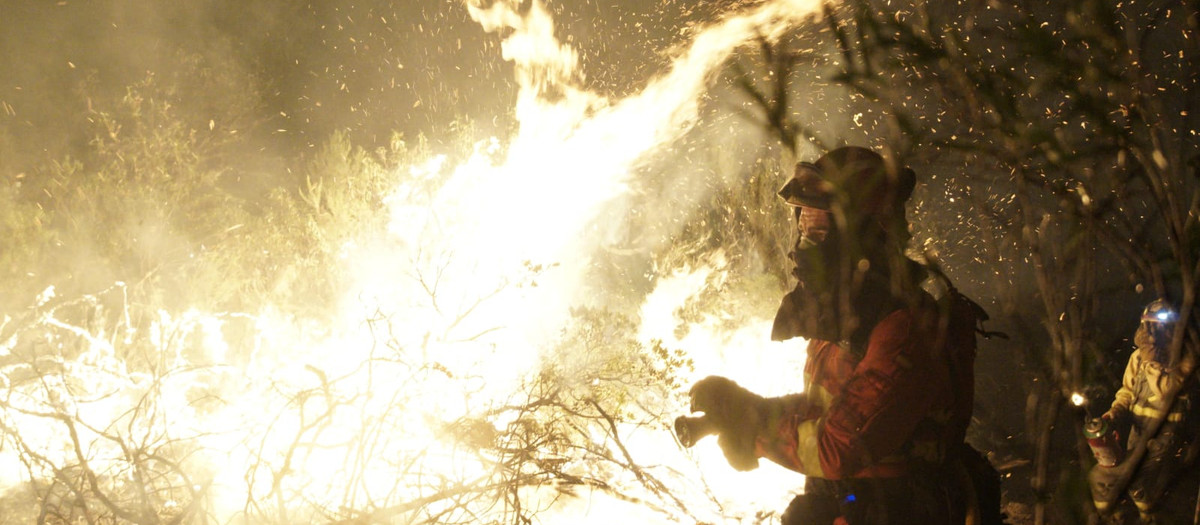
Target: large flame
column 414, row 399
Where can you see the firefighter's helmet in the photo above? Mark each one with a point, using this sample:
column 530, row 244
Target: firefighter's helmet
column 1156, row 330
column 1159, row 311
column 855, row 178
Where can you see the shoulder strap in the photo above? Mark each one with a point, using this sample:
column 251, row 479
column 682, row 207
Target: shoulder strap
column 963, row 308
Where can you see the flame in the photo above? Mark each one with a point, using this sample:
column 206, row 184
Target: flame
column 1078, row 399
column 405, row 405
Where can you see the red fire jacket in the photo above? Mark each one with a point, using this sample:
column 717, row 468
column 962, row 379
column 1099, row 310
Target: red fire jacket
column 908, row 399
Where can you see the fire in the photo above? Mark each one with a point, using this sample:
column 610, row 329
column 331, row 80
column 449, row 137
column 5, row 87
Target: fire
column 467, row 370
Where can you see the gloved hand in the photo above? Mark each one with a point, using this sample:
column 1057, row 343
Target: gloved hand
column 737, row 415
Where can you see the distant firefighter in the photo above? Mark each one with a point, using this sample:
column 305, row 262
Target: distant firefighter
column 1164, row 487
column 889, row 382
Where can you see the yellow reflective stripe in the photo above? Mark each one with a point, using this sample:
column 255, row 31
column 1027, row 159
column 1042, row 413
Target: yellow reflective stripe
column 820, row 396
column 1151, row 412
column 1145, row 411
column 808, row 451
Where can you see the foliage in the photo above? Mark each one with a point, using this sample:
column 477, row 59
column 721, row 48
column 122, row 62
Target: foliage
column 567, row 427
column 1078, row 114
column 139, row 204
column 104, row 384
column 300, row 232
column 95, row 442
column 154, row 202
column 745, row 228
column 101, row 444
column 1058, row 146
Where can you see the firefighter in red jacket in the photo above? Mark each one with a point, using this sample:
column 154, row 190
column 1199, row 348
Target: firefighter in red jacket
column 889, row 384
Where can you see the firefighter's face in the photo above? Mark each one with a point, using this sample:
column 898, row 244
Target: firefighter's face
column 1154, row 338
column 1160, row 333
column 815, row 253
column 813, row 225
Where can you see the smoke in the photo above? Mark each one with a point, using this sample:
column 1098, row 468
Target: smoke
column 525, row 220
column 489, row 258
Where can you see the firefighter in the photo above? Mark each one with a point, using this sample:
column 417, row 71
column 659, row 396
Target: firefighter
column 879, row 429
column 1157, row 489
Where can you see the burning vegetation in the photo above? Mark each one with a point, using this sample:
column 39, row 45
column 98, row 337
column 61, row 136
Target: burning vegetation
column 248, row 279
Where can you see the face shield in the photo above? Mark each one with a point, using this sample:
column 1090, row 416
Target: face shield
column 813, row 224
column 812, row 309
column 808, row 195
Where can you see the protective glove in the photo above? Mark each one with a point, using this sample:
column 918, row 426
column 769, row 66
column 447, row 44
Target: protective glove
column 736, row 414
